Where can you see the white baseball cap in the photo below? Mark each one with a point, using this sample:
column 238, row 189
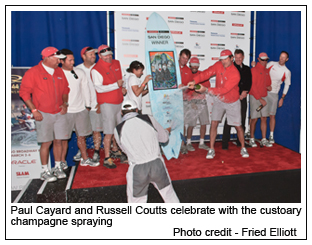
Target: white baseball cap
column 128, row 105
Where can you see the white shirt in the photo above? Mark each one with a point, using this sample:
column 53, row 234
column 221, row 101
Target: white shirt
column 279, row 74
column 98, row 83
column 132, row 81
column 139, row 140
column 79, row 94
column 90, row 83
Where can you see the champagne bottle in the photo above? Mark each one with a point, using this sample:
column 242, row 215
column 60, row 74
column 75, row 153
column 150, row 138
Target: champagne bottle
column 259, row 108
column 196, row 86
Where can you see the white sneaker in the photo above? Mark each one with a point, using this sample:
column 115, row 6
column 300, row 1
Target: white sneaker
column 271, row 140
column 210, row 154
column 189, row 147
column 266, row 143
column 203, row 146
column 89, row 162
column 64, row 165
column 244, row 152
column 58, row 173
column 252, row 143
column 46, row 175
column 77, row 157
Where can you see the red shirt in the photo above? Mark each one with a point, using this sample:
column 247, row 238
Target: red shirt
column 260, row 81
column 111, row 73
column 186, row 77
column 227, row 80
column 45, row 91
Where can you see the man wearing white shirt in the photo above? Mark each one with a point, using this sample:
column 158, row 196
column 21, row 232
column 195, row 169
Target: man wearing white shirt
column 78, row 105
column 107, row 78
column 279, row 73
column 88, row 56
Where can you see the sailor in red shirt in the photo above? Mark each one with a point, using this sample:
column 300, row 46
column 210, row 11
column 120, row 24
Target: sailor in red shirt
column 226, row 98
column 261, row 84
column 107, row 78
column 186, row 77
column 44, row 90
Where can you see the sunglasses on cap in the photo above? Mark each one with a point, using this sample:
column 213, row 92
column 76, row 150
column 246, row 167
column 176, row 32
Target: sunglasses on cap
column 105, row 50
column 264, row 59
column 56, row 53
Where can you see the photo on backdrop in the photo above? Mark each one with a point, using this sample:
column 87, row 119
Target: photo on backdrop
column 163, row 70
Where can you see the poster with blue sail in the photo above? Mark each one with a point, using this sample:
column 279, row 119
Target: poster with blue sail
column 165, row 96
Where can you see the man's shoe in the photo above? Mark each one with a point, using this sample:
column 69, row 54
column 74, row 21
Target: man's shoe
column 271, row 140
column 96, row 157
column 58, row 173
column 266, row 143
column 203, row 146
column 64, row 165
column 89, row 162
column 244, row 152
column 183, row 150
column 210, row 154
column 109, row 163
column 115, row 154
column 252, row 143
column 46, row 175
column 189, row 147
column 77, row 157
column 225, row 146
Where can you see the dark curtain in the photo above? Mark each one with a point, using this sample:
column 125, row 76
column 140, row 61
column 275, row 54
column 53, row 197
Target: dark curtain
column 32, row 31
column 277, row 31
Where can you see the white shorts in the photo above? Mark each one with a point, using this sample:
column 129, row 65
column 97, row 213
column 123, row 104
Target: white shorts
column 96, row 121
column 195, row 109
column 79, row 121
column 52, row 126
column 254, row 104
column 272, row 103
column 232, row 110
column 111, row 117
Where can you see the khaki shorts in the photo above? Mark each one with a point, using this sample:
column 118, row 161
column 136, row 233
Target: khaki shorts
column 52, row 126
column 96, row 121
column 272, row 103
column 195, row 109
column 111, row 117
column 232, row 110
column 254, row 104
column 79, row 121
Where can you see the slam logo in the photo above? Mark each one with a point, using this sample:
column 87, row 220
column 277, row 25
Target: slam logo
column 127, row 16
column 218, row 23
column 176, row 20
column 22, row 174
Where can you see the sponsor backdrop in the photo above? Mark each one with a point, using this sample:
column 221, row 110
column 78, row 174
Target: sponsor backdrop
column 204, row 33
column 25, row 159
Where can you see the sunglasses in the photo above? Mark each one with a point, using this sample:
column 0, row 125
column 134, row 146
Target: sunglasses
column 105, row 50
column 74, row 73
column 56, row 53
column 264, row 59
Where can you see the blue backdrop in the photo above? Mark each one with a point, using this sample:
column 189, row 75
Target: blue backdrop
column 275, row 32
column 32, row 31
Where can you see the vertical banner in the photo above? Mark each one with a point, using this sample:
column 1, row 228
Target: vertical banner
column 25, row 159
column 204, row 33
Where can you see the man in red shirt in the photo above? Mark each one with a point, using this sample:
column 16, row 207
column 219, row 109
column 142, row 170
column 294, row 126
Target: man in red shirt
column 261, row 84
column 186, row 77
column 107, row 78
column 226, row 98
column 44, row 90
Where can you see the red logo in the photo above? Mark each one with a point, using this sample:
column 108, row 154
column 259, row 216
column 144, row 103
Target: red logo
column 218, row 12
column 236, row 24
column 26, row 173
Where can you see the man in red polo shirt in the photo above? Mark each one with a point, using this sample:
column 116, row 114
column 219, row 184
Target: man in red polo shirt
column 44, row 90
column 186, row 77
column 226, row 98
column 107, row 78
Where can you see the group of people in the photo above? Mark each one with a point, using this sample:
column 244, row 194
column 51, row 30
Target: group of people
column 91, row 98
